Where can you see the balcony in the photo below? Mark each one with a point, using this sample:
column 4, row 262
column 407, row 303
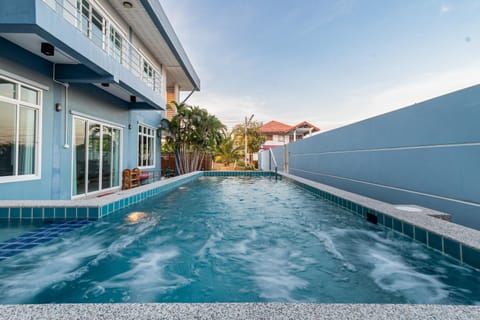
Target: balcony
column 91, row 47
column 95, row 24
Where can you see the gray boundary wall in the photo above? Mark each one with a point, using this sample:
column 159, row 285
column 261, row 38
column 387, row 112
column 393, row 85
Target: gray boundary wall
column 427, row 154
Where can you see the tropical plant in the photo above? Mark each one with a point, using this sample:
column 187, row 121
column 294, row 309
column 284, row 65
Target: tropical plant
column 227, row 151
column 192, row 133
column 254, row 136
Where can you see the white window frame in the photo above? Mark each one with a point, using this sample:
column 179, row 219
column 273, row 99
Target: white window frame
column 102, row 124
column 38, row 132
column 141, row 133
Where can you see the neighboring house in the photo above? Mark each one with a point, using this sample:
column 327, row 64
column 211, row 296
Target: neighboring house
column 278, row 134
column 83, row 87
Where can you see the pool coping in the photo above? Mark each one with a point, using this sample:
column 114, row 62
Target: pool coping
column 214, row 311
column 350, row 201
column 88, row 208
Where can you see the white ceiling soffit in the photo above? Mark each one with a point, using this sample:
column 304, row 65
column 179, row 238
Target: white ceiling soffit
column 144, row 28
column 33, row 43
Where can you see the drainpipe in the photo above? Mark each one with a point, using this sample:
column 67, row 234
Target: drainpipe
column 65, row 85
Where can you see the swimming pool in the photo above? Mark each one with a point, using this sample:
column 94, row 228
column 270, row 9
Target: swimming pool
column 238, row 239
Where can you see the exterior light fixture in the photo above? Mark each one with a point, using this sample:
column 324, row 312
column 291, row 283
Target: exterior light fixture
column 133, row 99
column 47, row 49
column 127, row 5
column 129, row 126
column 58, row 107
column 105, row 84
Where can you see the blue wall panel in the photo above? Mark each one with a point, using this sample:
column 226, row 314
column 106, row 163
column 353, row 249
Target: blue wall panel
column 84, row 99
column 426, row 154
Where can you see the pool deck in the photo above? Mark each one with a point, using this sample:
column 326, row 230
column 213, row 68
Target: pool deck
column 214, row 311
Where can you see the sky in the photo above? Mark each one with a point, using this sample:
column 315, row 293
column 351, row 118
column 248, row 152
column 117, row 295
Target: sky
column 326, row 62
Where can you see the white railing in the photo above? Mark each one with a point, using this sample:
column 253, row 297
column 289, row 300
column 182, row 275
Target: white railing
column 272, row 157
column 96, row 24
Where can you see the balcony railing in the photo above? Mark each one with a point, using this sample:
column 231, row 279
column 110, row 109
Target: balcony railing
column 95, row 23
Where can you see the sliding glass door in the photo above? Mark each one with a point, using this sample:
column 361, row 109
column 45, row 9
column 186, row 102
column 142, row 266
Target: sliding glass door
column 96, row 156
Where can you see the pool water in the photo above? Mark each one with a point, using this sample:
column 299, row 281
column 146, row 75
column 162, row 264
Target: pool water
column 235, row 239
column 15, row 228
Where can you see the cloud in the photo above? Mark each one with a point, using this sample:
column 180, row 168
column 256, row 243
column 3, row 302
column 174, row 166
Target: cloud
column 231, row 110
column 444, row 9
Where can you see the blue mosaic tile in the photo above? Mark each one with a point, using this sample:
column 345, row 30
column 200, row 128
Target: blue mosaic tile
column 48, row 213
column 4, row 213
column 452, row 248
column 10, row 253
column 397, row 225
column 82, row 213
column 471, row 256
column 420, row 235
column 381, row 218
column 27, row 213
column 93, row 213
column 42, row 240
column 37, row 213
column 28, row 246
column 59, row 213
column 14, row 213
column 388, row 222
column 12, row 246
column 408, row 229
column 27, row 235
column 435, row 241
column 71, row 213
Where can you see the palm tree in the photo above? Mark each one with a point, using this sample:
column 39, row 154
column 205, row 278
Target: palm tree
column 227, row 151
column 192, row 133
column 255, row 137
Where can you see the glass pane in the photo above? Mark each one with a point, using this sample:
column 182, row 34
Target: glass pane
column 150, row 151
column 145, row 151
column 116, row 158
column 7, row 138
column 8, row 89
column 93, row 157
column 140, row 150
column 70, row 11
column 79, row 156
column 29, row 95
column 26, row 141
column 107, row 158
column 97, row 28
column 85, row 18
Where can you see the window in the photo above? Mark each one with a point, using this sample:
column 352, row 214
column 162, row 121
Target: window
column 116, row 44
column 96, row 156
column 146, row 146
column 148, row 74
column 20, row 107
column 91, row 22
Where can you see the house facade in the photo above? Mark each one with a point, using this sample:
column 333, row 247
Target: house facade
column 83, row 88
column 279, row 134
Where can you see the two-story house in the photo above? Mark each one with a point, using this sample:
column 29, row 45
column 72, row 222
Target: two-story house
column 83, row 88
column 278, row 133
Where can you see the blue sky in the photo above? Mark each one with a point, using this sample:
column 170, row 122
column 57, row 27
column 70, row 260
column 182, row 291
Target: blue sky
column 327, row 62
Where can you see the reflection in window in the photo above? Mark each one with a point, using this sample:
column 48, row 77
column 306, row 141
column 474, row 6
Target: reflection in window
column 146, row 146
column 8, row 89
column 18, row 129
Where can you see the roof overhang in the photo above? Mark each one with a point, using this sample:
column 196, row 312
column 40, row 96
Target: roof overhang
column 153, row 28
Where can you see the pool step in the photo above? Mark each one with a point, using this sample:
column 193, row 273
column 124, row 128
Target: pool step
column 32, row 239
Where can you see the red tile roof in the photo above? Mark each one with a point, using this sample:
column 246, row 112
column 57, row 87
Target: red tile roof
column 278, row 127
column 307, row 125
